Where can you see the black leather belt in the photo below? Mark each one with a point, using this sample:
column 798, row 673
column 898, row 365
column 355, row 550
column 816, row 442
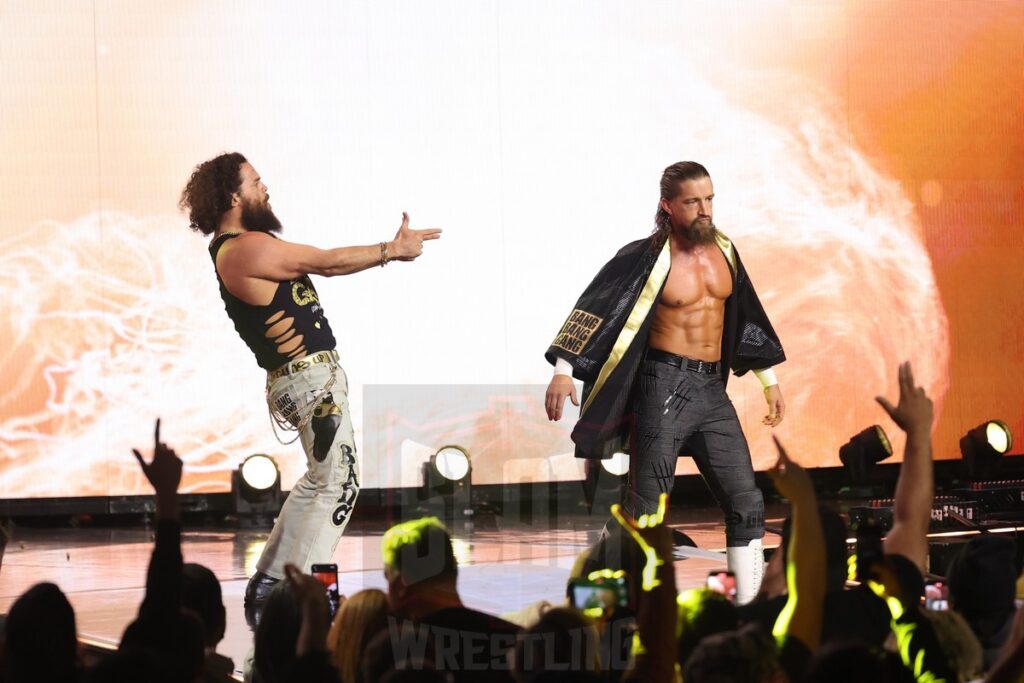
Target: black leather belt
column 682, row 362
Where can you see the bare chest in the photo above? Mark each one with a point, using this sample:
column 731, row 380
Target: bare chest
column 696, row 277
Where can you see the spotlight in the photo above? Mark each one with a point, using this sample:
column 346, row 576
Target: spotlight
column 451, row 462
column 256, row 490
column 617, row 465
column 259, row 473
column 862, row 451
column 608, row 477
column 983, row 447
column 448, row 474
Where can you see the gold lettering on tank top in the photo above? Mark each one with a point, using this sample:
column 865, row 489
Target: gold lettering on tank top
column 303, row 295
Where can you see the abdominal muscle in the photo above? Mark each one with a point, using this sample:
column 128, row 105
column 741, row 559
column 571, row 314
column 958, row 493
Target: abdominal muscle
column 690, row 314
column 694, row 332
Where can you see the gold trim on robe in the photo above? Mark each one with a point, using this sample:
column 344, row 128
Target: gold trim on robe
column 642, row 307
column 725, row 244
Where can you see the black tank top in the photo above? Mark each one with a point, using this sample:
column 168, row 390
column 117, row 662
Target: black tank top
column 295, row 299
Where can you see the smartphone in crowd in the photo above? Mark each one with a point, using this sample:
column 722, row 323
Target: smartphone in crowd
column 723, row 582
column 605, row 593
column 327, row 574
column 936, row 595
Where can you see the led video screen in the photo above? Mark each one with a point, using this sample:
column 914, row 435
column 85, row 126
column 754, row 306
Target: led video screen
column 867, row 161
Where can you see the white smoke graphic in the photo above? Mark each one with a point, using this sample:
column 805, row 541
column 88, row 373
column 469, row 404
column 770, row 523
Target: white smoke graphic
column 844, row 274
column 113, row 320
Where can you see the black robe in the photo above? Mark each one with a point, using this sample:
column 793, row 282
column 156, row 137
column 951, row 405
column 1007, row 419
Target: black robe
column 605, row 337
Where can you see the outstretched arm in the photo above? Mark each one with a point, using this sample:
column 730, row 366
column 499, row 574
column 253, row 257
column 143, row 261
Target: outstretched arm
column 805, row 557
column 656, row 612
column 258, row 255
column 163, row 580
column 915, row 487
column 311, row 664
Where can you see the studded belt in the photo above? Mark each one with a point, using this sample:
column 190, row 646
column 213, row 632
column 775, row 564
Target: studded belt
column 302, row 363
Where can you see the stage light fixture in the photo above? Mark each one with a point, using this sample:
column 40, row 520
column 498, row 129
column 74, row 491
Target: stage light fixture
column 863, row 450
column 982, row 447
column 617, row 465
column 256, row 490
column 451, row 462
column 259, row 472
column 448, row 475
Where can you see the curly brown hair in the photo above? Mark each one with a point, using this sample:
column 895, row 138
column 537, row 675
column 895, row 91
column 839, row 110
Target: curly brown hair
column 207, row 195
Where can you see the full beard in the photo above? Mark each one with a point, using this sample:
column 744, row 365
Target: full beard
column 260, row 218
column 699, row 232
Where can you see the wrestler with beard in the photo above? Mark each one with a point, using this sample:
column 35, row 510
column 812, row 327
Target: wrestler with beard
column 653, row 339
column 267, row 292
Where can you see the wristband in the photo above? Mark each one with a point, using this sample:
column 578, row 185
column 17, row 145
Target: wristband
column 767, row 377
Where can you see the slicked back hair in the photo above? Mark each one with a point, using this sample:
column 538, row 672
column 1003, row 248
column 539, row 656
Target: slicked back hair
column 670, row 179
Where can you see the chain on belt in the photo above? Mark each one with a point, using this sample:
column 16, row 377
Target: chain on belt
column 288, row 423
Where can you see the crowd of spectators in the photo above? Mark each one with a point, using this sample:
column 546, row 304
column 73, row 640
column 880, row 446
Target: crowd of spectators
column 823, row 613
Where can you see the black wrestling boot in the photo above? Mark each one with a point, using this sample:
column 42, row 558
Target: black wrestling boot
column 256, row 593
column 259, row 588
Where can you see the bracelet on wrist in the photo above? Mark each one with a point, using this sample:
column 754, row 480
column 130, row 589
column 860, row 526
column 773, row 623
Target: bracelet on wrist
column 383, row 254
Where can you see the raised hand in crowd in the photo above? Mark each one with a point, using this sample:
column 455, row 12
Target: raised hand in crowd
column 805, row 557
column 915, row 487
column 164, row 474
column 315, row 615
column 913, row 412
column 656, row 612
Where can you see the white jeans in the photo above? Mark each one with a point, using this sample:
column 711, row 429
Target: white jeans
column 321, row 502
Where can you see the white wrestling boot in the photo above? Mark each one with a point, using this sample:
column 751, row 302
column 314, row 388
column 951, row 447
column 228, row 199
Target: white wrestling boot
column 747, row 563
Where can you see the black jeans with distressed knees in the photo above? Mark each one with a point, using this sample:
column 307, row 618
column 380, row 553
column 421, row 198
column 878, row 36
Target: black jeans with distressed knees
column 679, row 410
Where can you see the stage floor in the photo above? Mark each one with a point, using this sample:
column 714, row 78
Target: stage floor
column 502, row 568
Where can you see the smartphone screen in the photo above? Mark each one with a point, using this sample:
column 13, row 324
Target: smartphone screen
column 723, row 582
column 327, row 574
column 603, row 594
column 936, row 595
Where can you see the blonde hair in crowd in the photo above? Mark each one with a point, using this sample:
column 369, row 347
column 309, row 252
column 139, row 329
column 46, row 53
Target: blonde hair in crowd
column 360, row 618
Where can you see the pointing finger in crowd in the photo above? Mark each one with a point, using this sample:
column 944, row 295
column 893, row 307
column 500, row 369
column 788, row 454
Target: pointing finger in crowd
column 888, row 407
